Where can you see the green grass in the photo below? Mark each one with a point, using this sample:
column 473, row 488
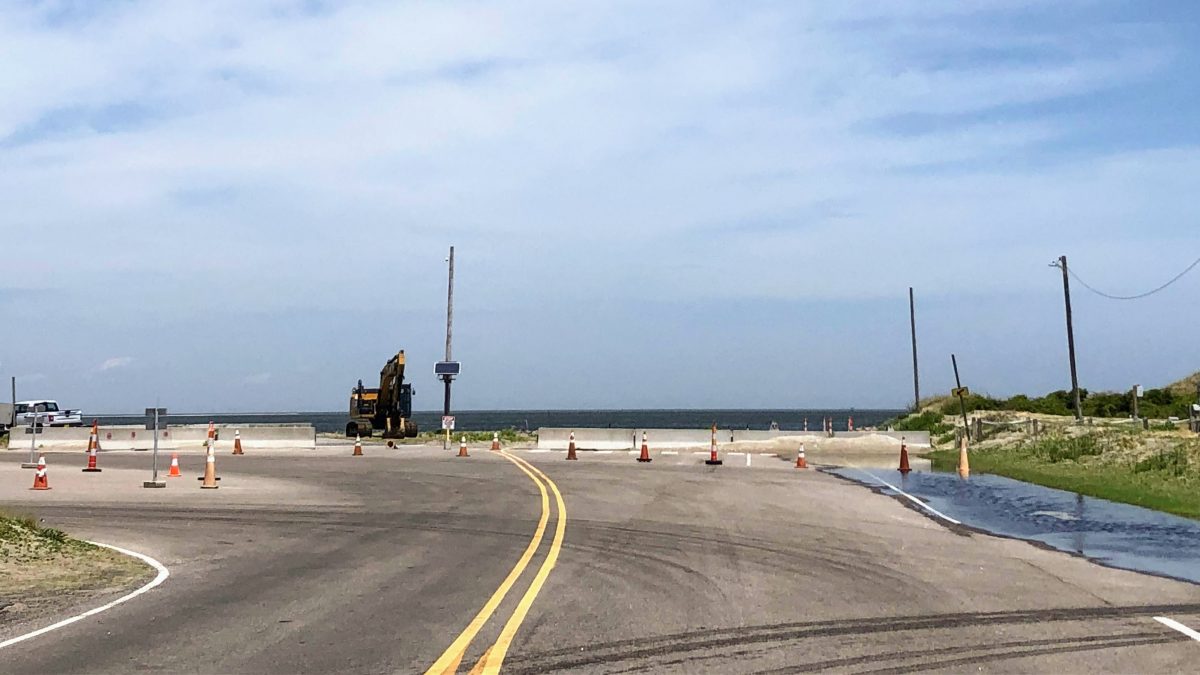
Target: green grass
column 1101, row 465
column 508, row 436
column 23, row 540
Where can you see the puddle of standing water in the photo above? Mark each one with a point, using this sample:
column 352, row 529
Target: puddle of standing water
column 1119, row 535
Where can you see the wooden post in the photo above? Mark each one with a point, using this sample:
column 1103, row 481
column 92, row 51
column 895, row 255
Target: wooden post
column 961, row 401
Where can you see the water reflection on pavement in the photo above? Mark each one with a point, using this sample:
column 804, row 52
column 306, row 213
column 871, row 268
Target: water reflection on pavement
column 1119, row 535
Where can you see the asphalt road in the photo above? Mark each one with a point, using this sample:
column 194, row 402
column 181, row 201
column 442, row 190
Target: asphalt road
column 321, row 562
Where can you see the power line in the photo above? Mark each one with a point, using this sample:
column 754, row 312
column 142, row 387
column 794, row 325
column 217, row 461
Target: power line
column 1139, row 296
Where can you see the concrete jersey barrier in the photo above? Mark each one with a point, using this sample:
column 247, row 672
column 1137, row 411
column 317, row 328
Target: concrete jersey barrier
column 173, row 437
column 621, row 439
column 557, row 438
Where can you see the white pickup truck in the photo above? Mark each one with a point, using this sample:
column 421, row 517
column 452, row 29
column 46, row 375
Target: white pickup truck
column 48, row 414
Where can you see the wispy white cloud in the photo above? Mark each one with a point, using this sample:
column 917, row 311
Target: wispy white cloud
column 257, row 378
column 114, row 363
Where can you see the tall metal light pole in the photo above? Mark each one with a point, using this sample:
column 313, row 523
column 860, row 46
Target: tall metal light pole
column 1062, row 262
column 447, row 378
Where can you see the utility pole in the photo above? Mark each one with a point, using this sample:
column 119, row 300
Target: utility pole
column 912, row 321
column 1062, row 260
column 449, row 333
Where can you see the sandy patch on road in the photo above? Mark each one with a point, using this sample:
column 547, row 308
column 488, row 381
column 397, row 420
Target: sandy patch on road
column 43, row 571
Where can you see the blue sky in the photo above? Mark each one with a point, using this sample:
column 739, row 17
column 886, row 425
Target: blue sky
column 246, row 205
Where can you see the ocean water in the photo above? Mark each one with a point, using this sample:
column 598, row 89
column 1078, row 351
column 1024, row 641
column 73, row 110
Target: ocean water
column 486, row 420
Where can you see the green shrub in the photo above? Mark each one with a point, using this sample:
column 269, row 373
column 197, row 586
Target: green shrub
column 1108, row 404
column 929, row 420
column 973, row 402
column 52, row 534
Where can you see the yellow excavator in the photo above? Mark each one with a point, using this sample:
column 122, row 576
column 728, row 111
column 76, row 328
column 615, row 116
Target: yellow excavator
column 387, row 409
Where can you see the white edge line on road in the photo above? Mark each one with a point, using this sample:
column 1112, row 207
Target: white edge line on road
column 162, row 576
column 539, row 451
column 603, row 452
column 669, row 452
column 1172, row 623
column 914, row 500
column 747, row 459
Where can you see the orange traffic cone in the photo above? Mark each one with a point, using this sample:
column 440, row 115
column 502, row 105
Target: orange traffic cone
column 91, row 465
column 357, row 446
column 95, row 434
column 40, row 480
column 571, row 447
column 93, row 438
column 210, row 470
column 850, row 424
column 801, row 462
column 904, row 468
column 964, row 465
column 237, row 442
column 645, row 456
column 174, row 472
column 712, row 455
column 495, row 442
column 462, row 447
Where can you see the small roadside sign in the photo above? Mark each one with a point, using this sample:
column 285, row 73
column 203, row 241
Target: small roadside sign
column 1138, row 391
column 960, row 391
column 154, row 417
column 448, row 422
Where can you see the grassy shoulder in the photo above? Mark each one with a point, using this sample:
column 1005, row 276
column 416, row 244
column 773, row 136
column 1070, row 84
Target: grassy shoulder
column 42, row 570
column 1156, row 471
column 507, row 436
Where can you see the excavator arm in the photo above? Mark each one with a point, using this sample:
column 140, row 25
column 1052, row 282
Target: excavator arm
column 389, row 408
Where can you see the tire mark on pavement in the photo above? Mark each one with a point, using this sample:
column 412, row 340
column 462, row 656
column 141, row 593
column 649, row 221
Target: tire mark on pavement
column 656, row 647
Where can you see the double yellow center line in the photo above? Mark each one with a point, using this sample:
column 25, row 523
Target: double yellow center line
column 493, row 658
